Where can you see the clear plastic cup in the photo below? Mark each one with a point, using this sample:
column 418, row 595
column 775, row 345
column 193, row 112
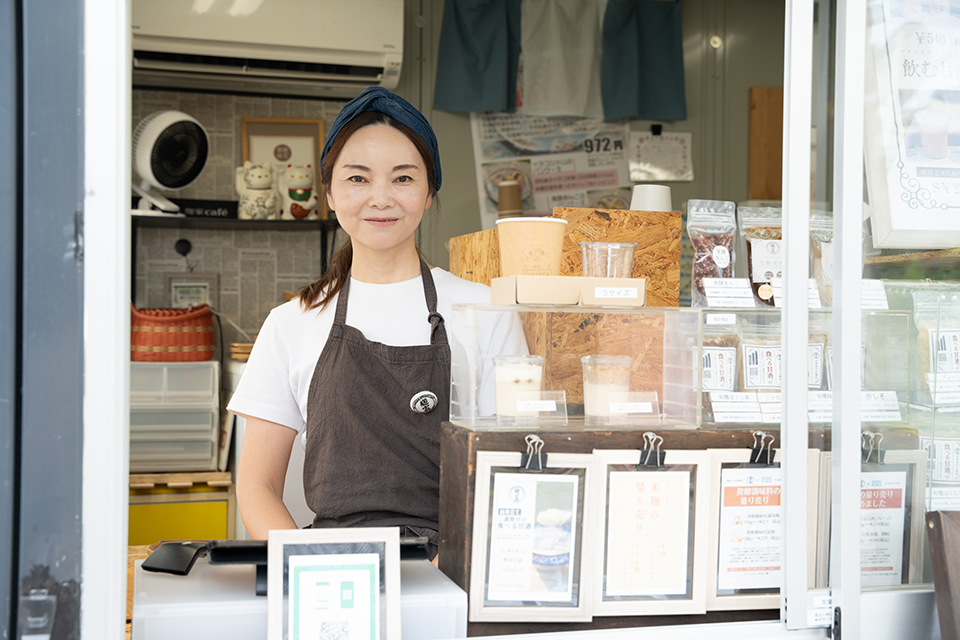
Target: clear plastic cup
column 603, row 375
column 512, row 374
column 608, row 259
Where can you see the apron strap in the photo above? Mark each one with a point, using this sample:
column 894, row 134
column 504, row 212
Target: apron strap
column 438, row 333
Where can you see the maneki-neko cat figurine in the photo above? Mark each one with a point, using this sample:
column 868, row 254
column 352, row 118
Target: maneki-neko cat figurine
column 296, row 189
column 258, row 199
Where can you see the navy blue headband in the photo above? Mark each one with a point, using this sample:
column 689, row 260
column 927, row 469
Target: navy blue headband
column 381, row 100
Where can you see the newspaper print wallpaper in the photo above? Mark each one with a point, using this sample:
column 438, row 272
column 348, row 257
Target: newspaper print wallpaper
column 255, row 267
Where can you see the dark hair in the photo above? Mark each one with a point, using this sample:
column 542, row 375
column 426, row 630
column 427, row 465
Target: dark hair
column 320, row 293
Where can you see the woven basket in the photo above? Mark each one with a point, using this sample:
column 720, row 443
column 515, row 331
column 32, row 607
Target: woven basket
column 171, row 335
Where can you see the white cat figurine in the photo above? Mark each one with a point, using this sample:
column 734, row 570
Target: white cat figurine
column 299, row 197
column 258, row 199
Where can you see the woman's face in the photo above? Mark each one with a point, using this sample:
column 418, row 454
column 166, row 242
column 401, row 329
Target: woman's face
column 379, row 189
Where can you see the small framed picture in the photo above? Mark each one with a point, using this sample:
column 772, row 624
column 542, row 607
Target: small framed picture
column 652, row 543
column 333, row 583
column 185, row 290
column 533, row 539
column 892, row 516
column 282, row 142
column 745, row 567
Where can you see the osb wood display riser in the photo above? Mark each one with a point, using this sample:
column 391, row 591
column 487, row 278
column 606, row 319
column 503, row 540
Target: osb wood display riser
column 458, row 467
column 476, row 256
column 569, row 336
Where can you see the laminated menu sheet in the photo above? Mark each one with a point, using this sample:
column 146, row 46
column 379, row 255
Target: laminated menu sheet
column 557, row 161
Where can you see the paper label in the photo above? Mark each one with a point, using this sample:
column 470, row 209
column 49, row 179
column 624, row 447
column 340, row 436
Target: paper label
column 943, row 459
column 648, row 519
column 813, row 293
column 945, row 350
column 721, row 256
column 536, row 405
column 750, row 529
column 881, row 527
column 815, row 365
column 820, row 617
column 873, row 295
column 766, row 257
column 719, row 368
column 728, row 293
column 533, row 528
column 762, row 366
column 620, row 293
column 724, row 319
column 631, row 407
column 879, row 406
column 944, row 499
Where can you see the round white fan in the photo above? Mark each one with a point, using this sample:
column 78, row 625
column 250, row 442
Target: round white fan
column 169, row 151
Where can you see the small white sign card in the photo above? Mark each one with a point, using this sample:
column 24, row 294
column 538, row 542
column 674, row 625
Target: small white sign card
column 746, row 530
column 533, row 537
column 334, row 583
column 728, row 293
column 652, row 543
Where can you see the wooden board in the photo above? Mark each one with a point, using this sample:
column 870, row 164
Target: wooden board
column 476, row 256
column 765, row 156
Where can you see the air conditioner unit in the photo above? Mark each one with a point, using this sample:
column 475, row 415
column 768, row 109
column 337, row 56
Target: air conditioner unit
column 316, row 48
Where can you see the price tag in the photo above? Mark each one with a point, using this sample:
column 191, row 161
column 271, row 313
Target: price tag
column 873, row 295
column 715, row 319
column 631, row 407
column 813, row 294
column 536, row 405
column 879, row 406
column 820, row 617
column 620, row 293
column 728, row 293
column 732, row 407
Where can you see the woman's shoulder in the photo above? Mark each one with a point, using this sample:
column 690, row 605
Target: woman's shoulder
column 458, row 290
column 292, row 312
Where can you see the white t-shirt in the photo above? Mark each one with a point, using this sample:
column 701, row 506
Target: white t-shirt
column 276, row 379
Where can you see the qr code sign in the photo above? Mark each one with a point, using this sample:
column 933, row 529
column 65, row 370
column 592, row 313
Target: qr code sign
column 334, row 630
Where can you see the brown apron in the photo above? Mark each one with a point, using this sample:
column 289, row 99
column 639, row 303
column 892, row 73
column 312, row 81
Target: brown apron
column 373, row 440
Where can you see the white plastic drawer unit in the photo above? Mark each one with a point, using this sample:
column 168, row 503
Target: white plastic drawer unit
column 172, row 455
column 175, row 423
column 175, row 383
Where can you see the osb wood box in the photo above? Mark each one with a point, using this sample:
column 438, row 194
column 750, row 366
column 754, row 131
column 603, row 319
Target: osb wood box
column 458, row 466
column 476, row 256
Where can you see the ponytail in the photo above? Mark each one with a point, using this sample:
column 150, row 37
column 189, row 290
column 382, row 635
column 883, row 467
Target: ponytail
column 319, row 294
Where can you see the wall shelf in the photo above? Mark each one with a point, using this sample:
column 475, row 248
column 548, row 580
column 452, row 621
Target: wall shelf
column 231, row 224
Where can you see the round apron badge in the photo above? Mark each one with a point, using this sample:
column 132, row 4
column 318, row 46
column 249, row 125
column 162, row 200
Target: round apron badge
column 424, row 402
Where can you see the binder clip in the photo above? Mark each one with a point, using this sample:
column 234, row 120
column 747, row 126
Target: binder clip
column 656, row 129
column 761, row 454
column 870, row 451
column 651, row 456
column 534, row 460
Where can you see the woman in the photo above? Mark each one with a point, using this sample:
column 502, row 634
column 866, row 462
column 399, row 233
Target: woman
column 362, row 357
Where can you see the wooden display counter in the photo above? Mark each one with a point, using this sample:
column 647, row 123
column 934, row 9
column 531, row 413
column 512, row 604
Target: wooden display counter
column 458, row 477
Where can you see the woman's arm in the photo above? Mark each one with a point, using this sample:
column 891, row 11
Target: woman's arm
column 264, row 457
